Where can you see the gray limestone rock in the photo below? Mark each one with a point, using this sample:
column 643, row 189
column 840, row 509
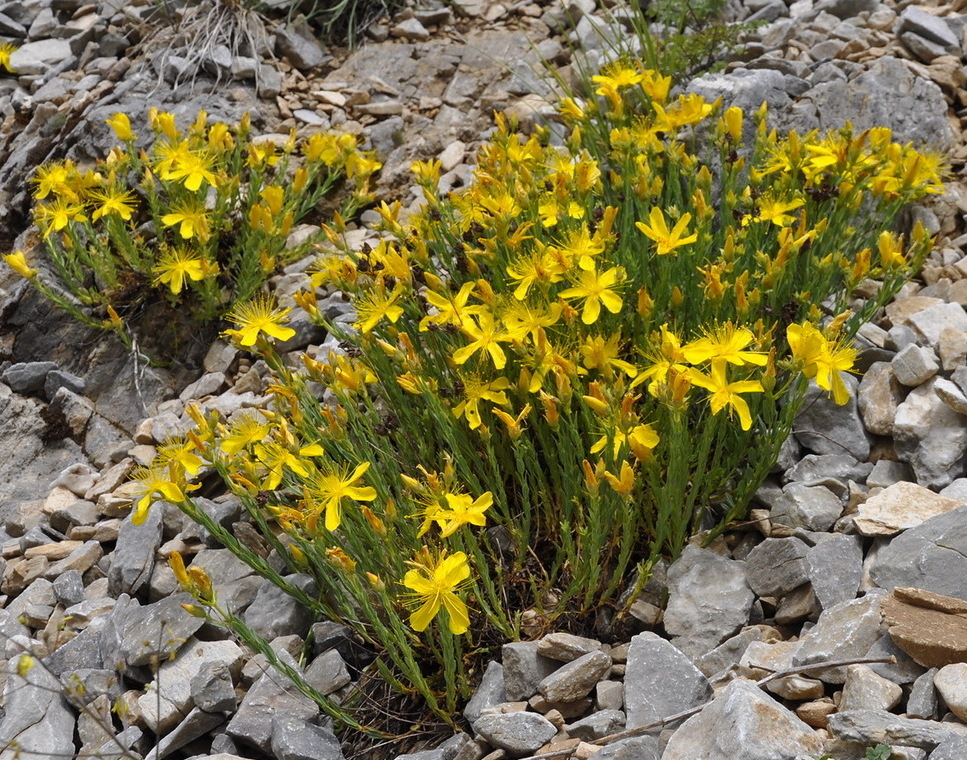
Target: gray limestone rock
column 729, row 653
column 930, row 27
column 295, row 739
column 847, row 8
column 810, row 507
column 845, row 631
column 576, row 679
column 633, row 748
column 835, row 569
column 743, row 722
column 879, row 397
column 28, row 464
column 931, row 437
column 777, row 566
column 168, row 699
column 708, row 600
column 814, row 469
column 37, row 719
column 951, row 748
column 881, row 727
column 134, row 556
column 951, row 682
column 274, row 613
column 271, row 695
column 914, row 365
column 57, row 379
column 565, row 647
column 82, row 651
column 747, row 89
column 491, row 691
column 660, row 681
column 27, row 377
column 328, row 673
column 196, row 724
column 519, row 733
column 69, row 588
column 951, row 394
column 824, row 427
column 524, row 669
column 929, row 323
column 922, row 701
column 597, row 725
column 863, row 689
column 931, row 556
column 889, row 93
column 212, row 689
column 300, row 46
column 154, row 632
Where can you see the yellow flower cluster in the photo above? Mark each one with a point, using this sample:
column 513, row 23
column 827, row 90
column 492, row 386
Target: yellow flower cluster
column 202, row 213
column 576, row 352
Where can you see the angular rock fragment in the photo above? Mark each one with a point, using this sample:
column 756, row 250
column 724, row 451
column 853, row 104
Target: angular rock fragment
column 929, row 627
column 742, row 722
column 660, row 681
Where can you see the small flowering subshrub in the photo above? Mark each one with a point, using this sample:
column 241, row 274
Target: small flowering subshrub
column 199, row 219
column 557, row 375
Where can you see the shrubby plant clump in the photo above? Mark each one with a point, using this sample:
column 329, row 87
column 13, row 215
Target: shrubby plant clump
column 198, row 220
column 554, row 377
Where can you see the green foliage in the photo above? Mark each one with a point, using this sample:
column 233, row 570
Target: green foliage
column 187, row 227
column 344, row 21
column 684, row 39
column 557, row 374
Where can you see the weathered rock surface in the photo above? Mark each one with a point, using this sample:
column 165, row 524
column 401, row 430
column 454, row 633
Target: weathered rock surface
column 742, row 722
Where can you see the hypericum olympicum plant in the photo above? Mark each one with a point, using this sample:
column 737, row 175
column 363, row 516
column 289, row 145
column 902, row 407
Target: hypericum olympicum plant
column 559, row 374
column 198, row 218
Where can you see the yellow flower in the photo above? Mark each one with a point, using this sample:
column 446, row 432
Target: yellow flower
column 541, row 266
column 17, row 261
column 666, row 240
column 596, row 290
column 603, row 355
column 6, row 50
column 476, row 390
column 451, row 309
column 245, row 432
column 376, row 306
column 121, row 126
column 192, row 218
column 434, row 584
column 775, row 211
column 114, row 201
column 258, row 316
column 821, row 359
column 327, row 492
column 623, row 484
column 732, row 121
column 463, row 510
column 616, row 77
column 486, row 336
column 182, row 453
column 53, row 217
column 163, row 122
column 162, row 481
column 726, row 342
column 723, row 394
column 175, row 265
column 275, row 457
column 55, row 178
column 193, row 168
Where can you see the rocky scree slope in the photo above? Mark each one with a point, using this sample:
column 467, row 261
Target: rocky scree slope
column 855, row 552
